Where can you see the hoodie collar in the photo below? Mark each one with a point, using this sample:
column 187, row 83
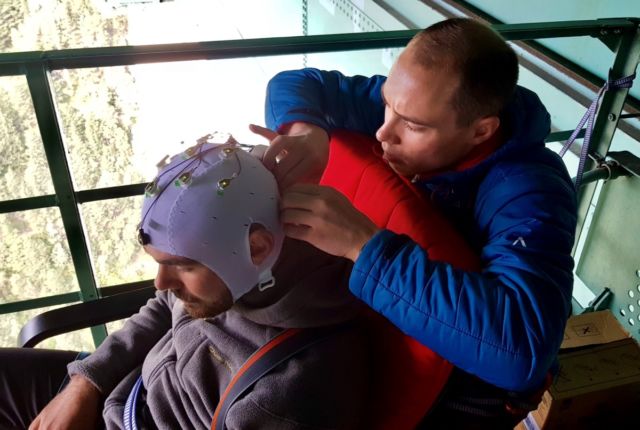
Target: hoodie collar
column 311, row 290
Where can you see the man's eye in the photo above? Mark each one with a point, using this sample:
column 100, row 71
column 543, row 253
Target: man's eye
column 184, row 268
column 410, row 126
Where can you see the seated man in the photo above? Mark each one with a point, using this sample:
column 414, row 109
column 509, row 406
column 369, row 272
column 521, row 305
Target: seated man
column 210, row 220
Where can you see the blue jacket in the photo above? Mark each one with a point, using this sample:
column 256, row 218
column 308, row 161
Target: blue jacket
column 517, row 208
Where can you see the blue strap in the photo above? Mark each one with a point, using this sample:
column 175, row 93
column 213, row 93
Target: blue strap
column 129, row 415
column 589, row 118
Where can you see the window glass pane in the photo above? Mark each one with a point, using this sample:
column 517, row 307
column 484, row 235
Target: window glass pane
column 115, row 326
column 97, row 108
column 34, row 257
column 345, row 16
column 44, row 25
column 200, row 99
column 80, row 340
column 589, row 52
column 61, row 24
column 116, row 254
column 366, row 62
column 11, row 324
column 23, row 165
column 120, row 121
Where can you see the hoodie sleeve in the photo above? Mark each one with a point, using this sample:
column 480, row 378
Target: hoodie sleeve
column 505, row 324
column 329, row 100
column 126, row 349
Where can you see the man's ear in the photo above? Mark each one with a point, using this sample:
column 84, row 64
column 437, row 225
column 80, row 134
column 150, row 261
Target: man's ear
column 484, row 128
column 261, row 243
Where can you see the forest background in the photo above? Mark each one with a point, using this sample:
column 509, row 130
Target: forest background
column 97, row 118
column 117, row 122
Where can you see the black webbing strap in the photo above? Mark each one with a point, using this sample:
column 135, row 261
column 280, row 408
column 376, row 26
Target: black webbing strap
column 279, row 349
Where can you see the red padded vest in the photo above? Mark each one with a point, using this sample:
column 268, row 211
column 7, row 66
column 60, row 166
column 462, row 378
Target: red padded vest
column 408, row 376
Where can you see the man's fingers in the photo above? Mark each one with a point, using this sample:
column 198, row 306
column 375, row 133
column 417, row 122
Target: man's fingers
column 300, row 196
column 287, row 169
column 268, row 156
column 263, row 131
column 35, row 425
column 301, row 172
column 277, row 147
column 298, row 217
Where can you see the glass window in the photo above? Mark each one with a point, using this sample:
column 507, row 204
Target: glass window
column 116, row 254
column 34, row 258
column 114, row 326
column 98, row 109
column 23, row 165
column 62, row 24
column 344, row 16
column 11, row 324
column 118, row 122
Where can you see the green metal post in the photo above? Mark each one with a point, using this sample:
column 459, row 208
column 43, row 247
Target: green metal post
column 46, row 115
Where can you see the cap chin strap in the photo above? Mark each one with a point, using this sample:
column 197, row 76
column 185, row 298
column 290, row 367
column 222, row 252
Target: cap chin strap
column 266, row 281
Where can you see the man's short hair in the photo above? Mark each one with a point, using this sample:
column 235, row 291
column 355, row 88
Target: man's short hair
column 486, row 64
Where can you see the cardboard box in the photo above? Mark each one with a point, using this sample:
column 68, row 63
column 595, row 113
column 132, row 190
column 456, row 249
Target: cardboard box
column 598, row 384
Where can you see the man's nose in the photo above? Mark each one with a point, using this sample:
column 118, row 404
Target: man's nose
column 164, row 280
column 387, row 133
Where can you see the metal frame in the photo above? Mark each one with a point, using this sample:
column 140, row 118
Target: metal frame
column 627, row 50
column 36, row 66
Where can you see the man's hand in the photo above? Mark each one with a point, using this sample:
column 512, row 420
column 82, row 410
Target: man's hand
column 299, row 156
column 76, row 407
column 326, row 219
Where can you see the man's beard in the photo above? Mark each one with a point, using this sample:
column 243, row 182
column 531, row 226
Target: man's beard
column 197, row 308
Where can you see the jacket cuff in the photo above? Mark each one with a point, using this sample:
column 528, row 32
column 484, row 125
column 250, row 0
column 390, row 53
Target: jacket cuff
column 310, row 117
column 375, row 258
column 84, row 369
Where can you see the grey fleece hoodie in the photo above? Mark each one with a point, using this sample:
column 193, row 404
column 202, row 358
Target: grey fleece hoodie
column 187, row 363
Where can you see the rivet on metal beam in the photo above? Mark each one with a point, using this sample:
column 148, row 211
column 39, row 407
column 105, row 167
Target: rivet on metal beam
column 611, row 117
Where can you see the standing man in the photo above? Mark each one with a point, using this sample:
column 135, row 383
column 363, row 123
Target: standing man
column 451, row 119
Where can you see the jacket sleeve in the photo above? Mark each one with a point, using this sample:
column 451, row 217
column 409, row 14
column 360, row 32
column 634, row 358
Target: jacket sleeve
column 327, row 99
column 505, row 324
column 125, row 349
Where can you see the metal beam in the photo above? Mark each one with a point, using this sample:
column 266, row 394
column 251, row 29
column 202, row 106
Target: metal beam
column 49, row 126
column 40, row 302
column 28, row 203
column 15, row 63
column 606, row 121
column 223, row 49
column 84, row 196
column 66, row 298
column 116, row 192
